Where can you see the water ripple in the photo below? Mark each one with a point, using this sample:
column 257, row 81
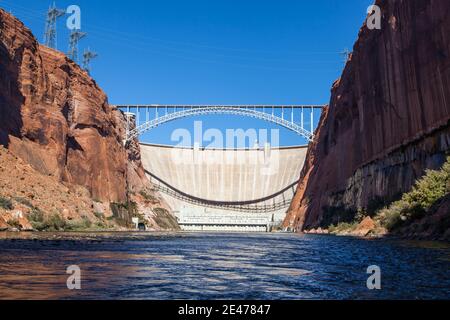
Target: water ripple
column 219, row 266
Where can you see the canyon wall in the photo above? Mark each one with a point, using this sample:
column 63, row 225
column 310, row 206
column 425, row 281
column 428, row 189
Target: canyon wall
column 388, row 119
column 55, row 117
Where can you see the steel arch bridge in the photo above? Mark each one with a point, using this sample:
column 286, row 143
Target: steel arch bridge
column 175, row 112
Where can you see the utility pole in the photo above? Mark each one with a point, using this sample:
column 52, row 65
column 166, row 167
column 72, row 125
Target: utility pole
column 50, row 26
column 75, row 36
column 88, row 55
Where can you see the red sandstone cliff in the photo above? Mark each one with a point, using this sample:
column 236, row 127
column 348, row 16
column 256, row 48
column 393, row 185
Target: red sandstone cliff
column 54, row 117
column 388, row 118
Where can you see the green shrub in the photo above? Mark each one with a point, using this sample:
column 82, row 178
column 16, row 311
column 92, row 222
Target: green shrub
column 36, row 218
column 415, row 204
column 52, row 223
column 428, row 190
column 392, row 217
column 6, row 203
column 341, row 227
column 25, row 202
column 56, row 222
column 102, row 225
column 79, row 225
column 14, row 223
column 148, row 197
column 87, row 222
column 361, row 214
column 36, row 215
column 99, row 215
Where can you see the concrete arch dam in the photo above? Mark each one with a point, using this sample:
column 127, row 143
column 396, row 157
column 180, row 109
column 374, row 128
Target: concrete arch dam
column 225, row 189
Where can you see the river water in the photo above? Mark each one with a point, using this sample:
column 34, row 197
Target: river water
column 220, row 266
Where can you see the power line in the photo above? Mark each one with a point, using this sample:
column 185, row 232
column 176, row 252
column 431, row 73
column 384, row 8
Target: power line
column 139, row 37
column 88, row 55
column 346, row 55
column 53, row 13
column 131, row 40
column 75, row 37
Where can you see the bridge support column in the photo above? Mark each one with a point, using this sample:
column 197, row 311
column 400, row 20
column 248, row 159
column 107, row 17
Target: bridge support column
column 131, row 124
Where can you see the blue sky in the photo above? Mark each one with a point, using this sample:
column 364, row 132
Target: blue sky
column 210, row 52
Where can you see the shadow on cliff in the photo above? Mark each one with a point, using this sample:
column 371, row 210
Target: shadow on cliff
column 11, row 99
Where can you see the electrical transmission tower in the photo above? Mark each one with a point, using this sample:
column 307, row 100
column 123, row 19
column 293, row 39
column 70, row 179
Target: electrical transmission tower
column 75, row 37
column 50, row 26
column 87, row 57
column 345, row 55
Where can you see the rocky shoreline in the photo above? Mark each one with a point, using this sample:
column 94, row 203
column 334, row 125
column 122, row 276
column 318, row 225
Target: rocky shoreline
column 368, row 228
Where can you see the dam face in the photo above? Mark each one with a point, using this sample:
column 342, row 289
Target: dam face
column 225, row 190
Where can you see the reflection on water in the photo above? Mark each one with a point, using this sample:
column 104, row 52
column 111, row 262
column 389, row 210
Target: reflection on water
column 219, row 266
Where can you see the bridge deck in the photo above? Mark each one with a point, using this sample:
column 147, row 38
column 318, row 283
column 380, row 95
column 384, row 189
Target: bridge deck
column 288, row 119
column 180, row 106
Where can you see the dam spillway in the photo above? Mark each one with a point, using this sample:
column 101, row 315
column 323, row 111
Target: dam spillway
column 225, row 189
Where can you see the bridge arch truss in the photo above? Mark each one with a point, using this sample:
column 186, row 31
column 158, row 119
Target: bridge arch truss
column 297, row 124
